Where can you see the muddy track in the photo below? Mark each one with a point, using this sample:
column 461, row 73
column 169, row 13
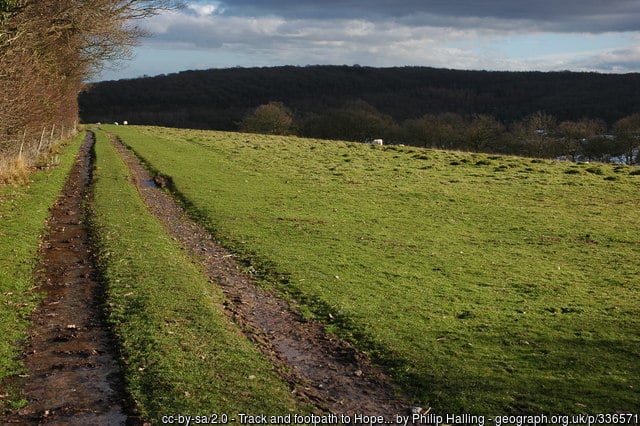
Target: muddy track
column 74, row 377
column 320, row 367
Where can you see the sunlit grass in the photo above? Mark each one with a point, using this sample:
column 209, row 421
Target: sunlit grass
column 181, row 354
column 485, row 284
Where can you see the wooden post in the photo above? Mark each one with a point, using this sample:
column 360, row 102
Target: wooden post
column 24, row 136
column 41, row 140
column 53, row 129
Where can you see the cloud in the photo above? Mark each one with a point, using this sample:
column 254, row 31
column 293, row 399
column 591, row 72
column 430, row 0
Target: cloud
column 615, row 61
column 204, row 29
column 439, row 33
column 203, row 9
column 564, row 15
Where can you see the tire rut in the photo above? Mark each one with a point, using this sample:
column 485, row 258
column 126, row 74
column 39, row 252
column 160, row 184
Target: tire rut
column 320, row 367
column 73, row 374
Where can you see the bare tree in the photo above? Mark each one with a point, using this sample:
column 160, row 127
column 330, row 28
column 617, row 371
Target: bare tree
column 483, row 133
column 577, row 133
column 536, row 133
column 48, row 48
column 272, row 118
column 627, row 131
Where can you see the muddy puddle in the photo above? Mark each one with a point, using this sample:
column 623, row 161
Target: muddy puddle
column 321, row 369
column 73, row 376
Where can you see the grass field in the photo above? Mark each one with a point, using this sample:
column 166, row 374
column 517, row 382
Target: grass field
column 23, row 212
column 182, row 354
column 485, row 284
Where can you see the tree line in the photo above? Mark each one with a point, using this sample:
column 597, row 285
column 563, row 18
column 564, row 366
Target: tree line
column 537, row 135
column 474, row 110
column 219, row 98
column 48, row 49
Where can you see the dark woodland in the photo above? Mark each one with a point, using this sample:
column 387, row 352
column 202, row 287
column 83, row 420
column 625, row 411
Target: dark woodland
column 528, row 113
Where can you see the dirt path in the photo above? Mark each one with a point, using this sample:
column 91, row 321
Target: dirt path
column 323, row 369
column 74, row 377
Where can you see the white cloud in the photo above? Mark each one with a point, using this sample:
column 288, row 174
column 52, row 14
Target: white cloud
column 203, row 9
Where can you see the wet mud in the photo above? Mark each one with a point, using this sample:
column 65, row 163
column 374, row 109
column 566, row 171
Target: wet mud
column 73, row 374
column 321, row 368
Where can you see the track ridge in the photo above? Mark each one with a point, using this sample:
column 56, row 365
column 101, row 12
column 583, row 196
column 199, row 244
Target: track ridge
column 320, row 367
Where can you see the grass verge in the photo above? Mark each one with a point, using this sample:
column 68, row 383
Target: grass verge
column 24, row 210
column 181, row 354
column 487, row 284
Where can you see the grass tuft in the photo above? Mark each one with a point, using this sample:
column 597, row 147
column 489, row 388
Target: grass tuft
column 13, row 171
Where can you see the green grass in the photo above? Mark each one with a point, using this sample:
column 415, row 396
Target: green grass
column 486, row 284
column 23, row 212
column 181, row 353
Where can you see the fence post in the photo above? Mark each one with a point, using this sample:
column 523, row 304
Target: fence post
column 41, row 140
column 53, row 129
column 24, row 136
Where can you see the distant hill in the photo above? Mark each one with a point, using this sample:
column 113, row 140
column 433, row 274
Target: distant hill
column 219, row 98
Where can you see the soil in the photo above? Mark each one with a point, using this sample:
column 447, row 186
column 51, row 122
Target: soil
column 322, row 369
column 74, row 376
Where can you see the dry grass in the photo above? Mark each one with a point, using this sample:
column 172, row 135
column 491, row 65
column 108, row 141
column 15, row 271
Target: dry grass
column 13, row 170
column 17, row 165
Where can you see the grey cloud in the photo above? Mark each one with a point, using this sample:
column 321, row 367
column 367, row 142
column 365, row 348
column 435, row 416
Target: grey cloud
column 276, row 33
column 556, row 15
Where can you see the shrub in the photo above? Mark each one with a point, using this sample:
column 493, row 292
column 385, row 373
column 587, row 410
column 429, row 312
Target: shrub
column 272, row 119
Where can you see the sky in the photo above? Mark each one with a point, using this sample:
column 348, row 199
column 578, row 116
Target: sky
column 507, row 35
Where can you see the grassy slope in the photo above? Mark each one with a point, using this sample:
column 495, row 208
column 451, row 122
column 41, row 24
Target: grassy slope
column 488, row 284
column 23, row 212
column 182, row 355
